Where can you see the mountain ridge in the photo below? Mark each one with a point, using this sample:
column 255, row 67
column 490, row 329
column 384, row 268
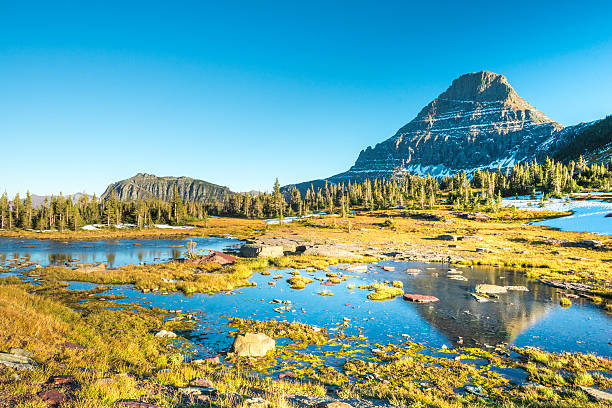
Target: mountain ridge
column 145, row 186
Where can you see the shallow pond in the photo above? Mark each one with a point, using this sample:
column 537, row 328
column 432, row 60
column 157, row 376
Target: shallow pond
column 532, row 318
column 588, row 215
column 111, row 252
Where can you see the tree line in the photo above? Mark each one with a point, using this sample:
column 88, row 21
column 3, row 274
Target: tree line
column 480, row 191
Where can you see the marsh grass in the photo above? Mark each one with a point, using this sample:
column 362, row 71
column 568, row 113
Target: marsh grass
column 381, row 291
column 185, row 277
column 299, row 282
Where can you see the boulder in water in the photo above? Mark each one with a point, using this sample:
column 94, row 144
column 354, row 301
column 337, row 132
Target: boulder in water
column 253, row 345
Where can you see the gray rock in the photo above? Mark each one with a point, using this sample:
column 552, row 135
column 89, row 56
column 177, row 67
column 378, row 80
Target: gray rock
column 486, row 288
column 20, row 352
column 448, row 237
column 165, row 334
column 16, row 361
column 334, row 251
column 597, row 395
column 261, row 251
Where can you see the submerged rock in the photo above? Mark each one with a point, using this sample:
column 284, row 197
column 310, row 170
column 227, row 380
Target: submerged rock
column 89, row 269
column 354, row 268
column 517, row 288
column 486, row 288
column 253, row 345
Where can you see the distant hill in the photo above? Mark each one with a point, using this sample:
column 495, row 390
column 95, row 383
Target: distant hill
column 479, row 122
column 38, row 200
column 149, row 186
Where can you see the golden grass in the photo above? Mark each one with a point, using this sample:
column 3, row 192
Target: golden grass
column 185, row 277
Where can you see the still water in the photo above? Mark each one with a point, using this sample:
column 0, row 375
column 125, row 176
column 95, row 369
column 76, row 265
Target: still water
column 111, row 252
column 532, row 318
column 587, row 215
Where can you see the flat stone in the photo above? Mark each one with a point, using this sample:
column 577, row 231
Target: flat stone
column 61, row 379
column 334, row 404
column 330, row 250
column 486, row 288
column 135, row 404
column 517, row 288
column 413, row 297
column 354, row 268
column 20, row 352
column 597, row 395
column 89, row 269
column 16, row 361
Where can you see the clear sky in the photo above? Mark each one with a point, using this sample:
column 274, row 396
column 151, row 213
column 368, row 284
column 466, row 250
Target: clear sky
column 239, row 93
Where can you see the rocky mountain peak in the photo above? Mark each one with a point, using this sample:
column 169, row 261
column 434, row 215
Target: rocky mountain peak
column 145, row 186
column 483, row 86
column 478, row 122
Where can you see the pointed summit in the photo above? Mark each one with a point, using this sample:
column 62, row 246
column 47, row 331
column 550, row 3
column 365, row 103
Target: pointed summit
column 483, row 86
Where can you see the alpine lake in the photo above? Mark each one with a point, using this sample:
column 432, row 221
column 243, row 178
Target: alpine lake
column 346, row 326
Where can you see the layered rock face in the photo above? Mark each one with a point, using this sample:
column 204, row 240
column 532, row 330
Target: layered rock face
column 149, row 186
column 478, row 122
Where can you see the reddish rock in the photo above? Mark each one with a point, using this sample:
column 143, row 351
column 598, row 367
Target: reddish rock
column 413, row 297
column 201, row 382
column 52, row 397
column 61, row 379
column 216, row 257
column 73, row 346
column 287, row 374
column 213, row 360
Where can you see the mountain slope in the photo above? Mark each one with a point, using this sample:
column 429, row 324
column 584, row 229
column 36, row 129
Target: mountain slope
column 479, row 122
column 148, row 186
column 593, row 142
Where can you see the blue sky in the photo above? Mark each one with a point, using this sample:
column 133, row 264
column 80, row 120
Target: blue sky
column 239, row 93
